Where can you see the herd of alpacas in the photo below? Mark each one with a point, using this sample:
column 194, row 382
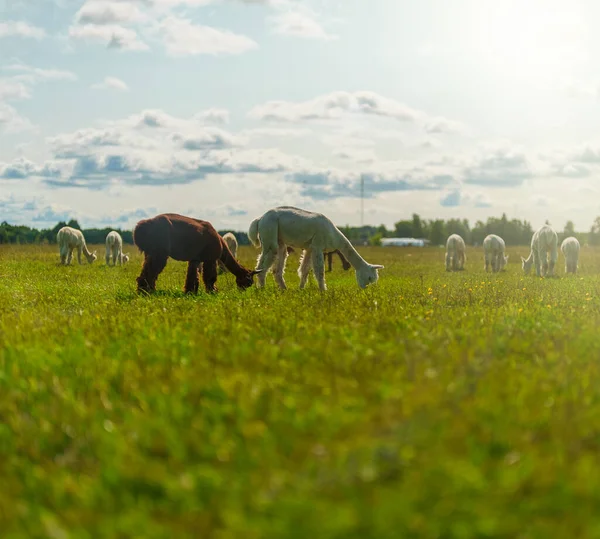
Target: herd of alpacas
column 277, row 233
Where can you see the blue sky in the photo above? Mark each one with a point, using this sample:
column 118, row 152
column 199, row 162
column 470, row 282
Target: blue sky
column 113, row 110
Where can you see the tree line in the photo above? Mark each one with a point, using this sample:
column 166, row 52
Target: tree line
column 514, row 232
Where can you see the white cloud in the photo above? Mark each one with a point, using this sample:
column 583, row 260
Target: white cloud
column 12, row 89
column 499, row 167
column 32, row 75
column 111, row 83
column 113, row 36
column 214, row 115
column 336, row 105
column 295, row 23
column 333, row 106
column 20, row 29
column 182, row 38
column 11, row 121
column 100, row 12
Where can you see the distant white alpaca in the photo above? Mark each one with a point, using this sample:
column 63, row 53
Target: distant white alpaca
column 69, row 239
column 570, row 249
column 543, row 241
column 114, row 247
column 312, row 232
column 232, row 243
column 456, row 255
column 493, row 248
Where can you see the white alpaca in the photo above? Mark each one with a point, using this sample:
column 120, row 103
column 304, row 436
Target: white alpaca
column 312, row 232
column 114, row 247
column 493, row 248
column 570, row 249
column 543, row 241
column 69, row 239
column 232, row 243
column 456, row 255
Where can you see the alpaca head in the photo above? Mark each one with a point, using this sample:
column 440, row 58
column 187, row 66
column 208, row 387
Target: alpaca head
column 125, row 258
column 527, row 265
column 246, row 280
column 367, row 275
column 92, row 257
column 346, row 265
column 504, row 261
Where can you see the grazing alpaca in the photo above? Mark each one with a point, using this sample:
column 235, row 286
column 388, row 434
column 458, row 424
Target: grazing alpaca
column 314, row 233
column 544, row 239
column 189, row 240
column 455, row 253
column 69, row 239
column 114, row 246
column 570, row 250
column 493, row 248
column 345, row 264
column 232, row 243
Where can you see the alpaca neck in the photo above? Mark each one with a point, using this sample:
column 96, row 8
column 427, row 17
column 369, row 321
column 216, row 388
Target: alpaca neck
column 86, row 252
column 348, row 250
column 231, row 263
column 530, row 257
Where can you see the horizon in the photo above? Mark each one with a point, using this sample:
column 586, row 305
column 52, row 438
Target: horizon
column 111, row 112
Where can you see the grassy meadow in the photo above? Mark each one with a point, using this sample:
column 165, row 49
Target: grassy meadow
column 430, row 405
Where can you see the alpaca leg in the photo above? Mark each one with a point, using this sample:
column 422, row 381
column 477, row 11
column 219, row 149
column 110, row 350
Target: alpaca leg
column 107, row 256
column 117, row 256
column 209, row 275
column 537, row 263
column 280, row 266
column 345, row 264
column 192, row 279
column 318, row 262
column 448, row 262
column 151, row 269
column 69, row 256
column 304, row 269
column 79, row 255
column 64, row 251
column 553, row 259
column 329, row 261
column 265, row 261
column 487, row 263
column 222, row 268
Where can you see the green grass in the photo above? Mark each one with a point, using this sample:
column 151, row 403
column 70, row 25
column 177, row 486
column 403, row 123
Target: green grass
column 430, row 405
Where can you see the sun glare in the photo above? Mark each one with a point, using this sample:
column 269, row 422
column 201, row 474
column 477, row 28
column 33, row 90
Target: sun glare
column 531, row 39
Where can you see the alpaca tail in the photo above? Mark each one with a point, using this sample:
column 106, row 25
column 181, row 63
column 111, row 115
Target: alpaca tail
column 152, row 235
column 253, row 233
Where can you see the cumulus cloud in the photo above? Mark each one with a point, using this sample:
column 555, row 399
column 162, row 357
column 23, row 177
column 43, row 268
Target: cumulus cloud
column 111, row 83
column 11, row 121
column 101, row 12
column 337, row 105
column 451, row 199
column 113, row 36
column 298, row 24
column 181, row 37
column 502, row 167
column 20, row 29
column 213, row 115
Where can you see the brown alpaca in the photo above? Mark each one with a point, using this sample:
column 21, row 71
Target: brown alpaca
column 345, row 264
column 189, row 240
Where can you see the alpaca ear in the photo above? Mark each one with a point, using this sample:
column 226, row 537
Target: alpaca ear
column 377, row 266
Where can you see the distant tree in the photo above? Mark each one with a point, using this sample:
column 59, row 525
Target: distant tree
column 569, row 229
column 74, row 224
column 417, row 226
column 437, row 234
column 403, row 229
column 594, row 235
